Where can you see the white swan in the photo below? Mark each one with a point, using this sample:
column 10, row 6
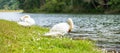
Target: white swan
column 61, row 28
column 26, row 21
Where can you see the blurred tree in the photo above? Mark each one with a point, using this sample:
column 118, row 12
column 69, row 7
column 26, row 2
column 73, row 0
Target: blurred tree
column 63, row 6
column 9, row 4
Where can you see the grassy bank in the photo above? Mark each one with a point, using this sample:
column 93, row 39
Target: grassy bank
column 18, row 39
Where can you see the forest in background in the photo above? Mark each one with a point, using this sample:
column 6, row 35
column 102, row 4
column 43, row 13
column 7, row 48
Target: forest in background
column 63, row 6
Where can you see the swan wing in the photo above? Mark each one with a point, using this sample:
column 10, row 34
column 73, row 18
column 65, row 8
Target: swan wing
column 61, row 27
column 30, row 21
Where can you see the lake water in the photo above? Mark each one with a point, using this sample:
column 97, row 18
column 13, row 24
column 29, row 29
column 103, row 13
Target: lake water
column 104, row 29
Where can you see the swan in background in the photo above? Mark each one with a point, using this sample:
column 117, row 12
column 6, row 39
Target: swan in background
column 26, row 21
column 61, row 28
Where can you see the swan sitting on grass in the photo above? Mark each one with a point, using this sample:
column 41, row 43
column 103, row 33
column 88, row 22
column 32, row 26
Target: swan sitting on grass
column 61, row 28
column 26, row 21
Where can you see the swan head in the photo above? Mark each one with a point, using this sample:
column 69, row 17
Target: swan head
column 23, row 17
column 70, row 22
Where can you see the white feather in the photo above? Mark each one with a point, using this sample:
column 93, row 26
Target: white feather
column 60, row 29
column 26, row 21
column 23, row 23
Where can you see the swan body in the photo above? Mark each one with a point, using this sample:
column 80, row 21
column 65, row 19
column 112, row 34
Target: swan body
column 26, row 21
column 61, row 28
column 23, row 23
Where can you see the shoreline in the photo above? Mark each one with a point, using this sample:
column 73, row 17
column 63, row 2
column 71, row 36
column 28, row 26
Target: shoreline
column 11, row 10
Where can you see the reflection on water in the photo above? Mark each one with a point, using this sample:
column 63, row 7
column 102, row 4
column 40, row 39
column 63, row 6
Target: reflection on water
column 105, row 29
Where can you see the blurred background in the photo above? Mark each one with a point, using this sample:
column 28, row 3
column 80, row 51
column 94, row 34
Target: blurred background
column 63, row 6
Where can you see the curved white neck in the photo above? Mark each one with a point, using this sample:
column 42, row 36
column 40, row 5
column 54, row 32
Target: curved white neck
column 70, row 22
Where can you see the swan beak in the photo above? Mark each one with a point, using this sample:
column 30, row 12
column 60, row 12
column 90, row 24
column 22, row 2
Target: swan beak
column 69, row 31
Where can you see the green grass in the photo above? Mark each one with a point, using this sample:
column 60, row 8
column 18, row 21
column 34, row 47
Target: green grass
column 18, row 39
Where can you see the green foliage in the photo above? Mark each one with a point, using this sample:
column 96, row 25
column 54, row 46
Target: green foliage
column 53, row 6
column 62, row 6
column 71, row 6
column 18, row 39
column 9, row 4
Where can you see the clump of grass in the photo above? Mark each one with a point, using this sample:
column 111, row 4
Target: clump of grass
column 18, row 39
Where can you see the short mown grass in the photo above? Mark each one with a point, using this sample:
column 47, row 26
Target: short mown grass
column 18, row 39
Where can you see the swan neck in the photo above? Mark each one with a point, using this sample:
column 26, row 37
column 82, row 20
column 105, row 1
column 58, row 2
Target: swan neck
column 70, row 22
